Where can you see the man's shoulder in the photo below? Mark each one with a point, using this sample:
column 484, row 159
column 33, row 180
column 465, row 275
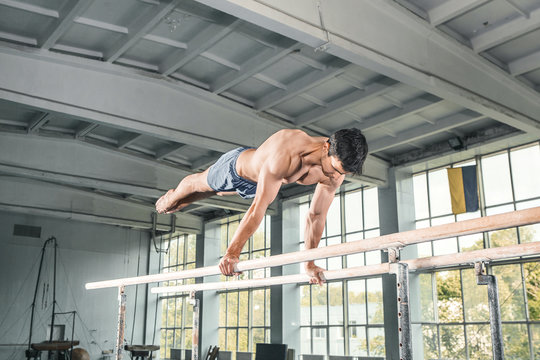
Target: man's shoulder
column 291, row 132
column 292, row 138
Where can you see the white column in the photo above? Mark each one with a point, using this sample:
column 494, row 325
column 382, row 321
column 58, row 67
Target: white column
column 210, row 299
column 291, row 293
column 396, row 214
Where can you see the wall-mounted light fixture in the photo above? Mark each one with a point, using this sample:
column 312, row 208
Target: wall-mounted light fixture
column 456, row 143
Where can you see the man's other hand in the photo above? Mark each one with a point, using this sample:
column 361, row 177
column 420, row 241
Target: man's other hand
column 316, row 273
column 227, row 264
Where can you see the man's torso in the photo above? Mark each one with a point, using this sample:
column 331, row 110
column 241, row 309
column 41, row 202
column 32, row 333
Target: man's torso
column 284, row 151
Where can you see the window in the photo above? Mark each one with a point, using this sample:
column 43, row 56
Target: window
column 177, row 314
column 245, row 315
column 351, row 307
column 454, row 311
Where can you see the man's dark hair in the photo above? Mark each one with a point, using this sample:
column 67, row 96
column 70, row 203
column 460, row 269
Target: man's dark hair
column 350, row 147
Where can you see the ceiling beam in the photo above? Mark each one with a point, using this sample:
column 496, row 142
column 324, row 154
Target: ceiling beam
column 169, row 150
column 80, row 181
column 352, row 80
column 199, row 44
column 346, row 102
column 509, row 30
column 254, row 65
column 392, row 100
column 451, row 9
column 37, row 123
column 35, row 9
column 423, row 131
column 440, row 154
column 141, row 28
column 308, row 61
column 102, row 25
column 301, row 85
column 37, row 158
column 517, row 8
column 165, row 41
column 113, row 168
column 204, row 162
column 67, row 14
column 128, row 140
column 131, row 100
column 402, row 46
column 85, row 130
column 411, row 107
column 313, row 99
column 18, row 38
column 269, row 81
column 30, row 196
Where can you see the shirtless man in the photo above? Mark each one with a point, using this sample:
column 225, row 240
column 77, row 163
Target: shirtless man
column 285, row 157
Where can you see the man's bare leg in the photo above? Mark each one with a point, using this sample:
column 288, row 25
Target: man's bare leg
column 192, row 188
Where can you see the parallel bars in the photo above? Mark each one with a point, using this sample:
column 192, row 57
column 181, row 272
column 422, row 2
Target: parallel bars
column 396, row 240
column 392, row 243
column 467, row 258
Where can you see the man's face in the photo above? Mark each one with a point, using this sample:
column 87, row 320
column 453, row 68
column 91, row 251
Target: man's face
column 332, row 167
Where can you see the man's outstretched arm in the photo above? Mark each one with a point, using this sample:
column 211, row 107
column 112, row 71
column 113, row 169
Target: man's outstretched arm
column 315, row 220
column 268, row 186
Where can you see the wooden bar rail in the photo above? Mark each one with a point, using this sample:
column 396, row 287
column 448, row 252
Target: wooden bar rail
column 396, row 240
column 467, row 258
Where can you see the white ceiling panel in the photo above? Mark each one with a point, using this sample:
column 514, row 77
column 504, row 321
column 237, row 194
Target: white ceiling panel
column 150, row 52
column 483, row 18
column 517, row 48
column 252, row 89
column 295, row 107
column 331, row 90
column 533, row 77
column 89, row 38
column 204, row 70
column 23, row 23
column 236, row 48
column 120, row 13
column 337, row 121
column 287, row 70
column 51, row 4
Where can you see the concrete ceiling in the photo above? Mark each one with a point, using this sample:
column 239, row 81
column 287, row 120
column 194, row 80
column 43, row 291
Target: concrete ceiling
column 115, row 101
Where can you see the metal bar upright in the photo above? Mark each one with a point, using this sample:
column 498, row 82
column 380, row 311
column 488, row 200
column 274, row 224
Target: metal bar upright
column 404, row 320
column 195, row 331
column 121, row 322
column 54, row 292
column 494, row 309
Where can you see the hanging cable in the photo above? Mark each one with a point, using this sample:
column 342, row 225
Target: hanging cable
column 15, row 299
column 14, row 354
column 12, row 326
column 77, row 311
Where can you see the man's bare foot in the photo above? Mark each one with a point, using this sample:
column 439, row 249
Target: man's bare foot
column 163, row 204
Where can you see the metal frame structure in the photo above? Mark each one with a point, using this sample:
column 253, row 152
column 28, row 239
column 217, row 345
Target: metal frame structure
column 401, row 268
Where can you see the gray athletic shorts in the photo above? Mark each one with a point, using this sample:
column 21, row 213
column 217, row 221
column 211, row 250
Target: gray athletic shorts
column 222, row 176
